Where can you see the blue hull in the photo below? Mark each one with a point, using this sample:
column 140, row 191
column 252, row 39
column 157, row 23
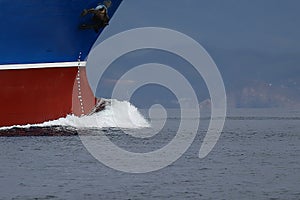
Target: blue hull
column 42, row 31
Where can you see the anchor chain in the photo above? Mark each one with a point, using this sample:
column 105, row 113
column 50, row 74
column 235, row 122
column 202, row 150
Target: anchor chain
column 78, row 78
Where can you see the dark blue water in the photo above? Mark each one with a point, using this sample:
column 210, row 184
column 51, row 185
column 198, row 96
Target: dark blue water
column 257, row 157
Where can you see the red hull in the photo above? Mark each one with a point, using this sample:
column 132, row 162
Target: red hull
column 30, row 96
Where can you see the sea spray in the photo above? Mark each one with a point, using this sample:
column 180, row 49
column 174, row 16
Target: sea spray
column 120, row 114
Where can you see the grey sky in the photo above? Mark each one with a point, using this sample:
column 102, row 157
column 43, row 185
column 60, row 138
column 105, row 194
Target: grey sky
column 255, row 44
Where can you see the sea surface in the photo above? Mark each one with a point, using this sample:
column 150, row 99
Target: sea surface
column 256, row 157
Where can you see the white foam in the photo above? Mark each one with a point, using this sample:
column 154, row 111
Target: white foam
column 120, row 114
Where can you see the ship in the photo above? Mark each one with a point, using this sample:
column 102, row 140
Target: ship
column 43, row 52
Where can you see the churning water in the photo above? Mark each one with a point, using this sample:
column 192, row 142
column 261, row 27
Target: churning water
column 256, row 157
